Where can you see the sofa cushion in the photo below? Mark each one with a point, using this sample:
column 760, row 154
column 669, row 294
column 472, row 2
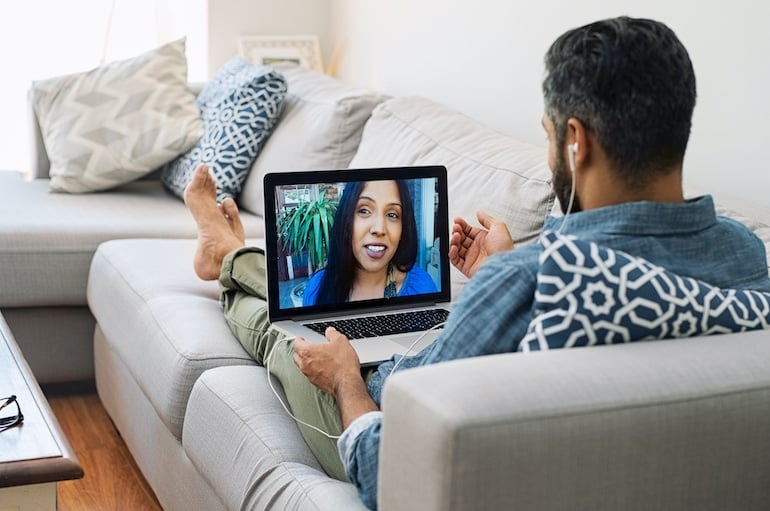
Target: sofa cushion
column 246, row 446
column 588, row 295
column 47, row 240
column 320, row 128
column 164, row 323
column 240, row 107
column 117, row 122
column 487, row 169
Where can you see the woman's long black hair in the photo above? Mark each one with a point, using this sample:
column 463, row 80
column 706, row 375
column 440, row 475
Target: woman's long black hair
column 337, row 281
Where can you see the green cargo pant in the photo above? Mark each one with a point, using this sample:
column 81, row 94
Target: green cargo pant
column 244, row 294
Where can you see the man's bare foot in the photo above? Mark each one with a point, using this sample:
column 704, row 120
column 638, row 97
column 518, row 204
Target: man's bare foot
column 219, row 228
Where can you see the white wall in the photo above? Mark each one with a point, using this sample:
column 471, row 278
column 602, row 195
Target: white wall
column 484, row 58
column 229, row 19
column 44, row 38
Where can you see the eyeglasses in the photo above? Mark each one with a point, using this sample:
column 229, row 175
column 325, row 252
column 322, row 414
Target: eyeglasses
column 13, row 420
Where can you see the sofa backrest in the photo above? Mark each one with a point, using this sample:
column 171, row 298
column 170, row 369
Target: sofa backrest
column 505, row 176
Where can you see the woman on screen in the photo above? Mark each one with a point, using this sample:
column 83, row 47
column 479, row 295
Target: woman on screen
column 373, row 248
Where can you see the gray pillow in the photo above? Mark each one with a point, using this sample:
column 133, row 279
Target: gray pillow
column 118, row 122
column 320, row 128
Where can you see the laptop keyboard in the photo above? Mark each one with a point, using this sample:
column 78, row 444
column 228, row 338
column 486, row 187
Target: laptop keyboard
column 384, row 324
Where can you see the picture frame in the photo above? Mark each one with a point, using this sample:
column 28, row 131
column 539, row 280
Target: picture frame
column 267, row 50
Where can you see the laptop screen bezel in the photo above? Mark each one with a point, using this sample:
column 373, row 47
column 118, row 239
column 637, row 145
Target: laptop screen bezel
column 277, row 179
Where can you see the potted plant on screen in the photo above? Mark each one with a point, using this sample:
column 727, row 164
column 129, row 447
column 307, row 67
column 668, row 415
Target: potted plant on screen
column 305, row 229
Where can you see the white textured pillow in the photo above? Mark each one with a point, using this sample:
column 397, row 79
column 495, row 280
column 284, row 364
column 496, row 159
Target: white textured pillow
column 118, row 122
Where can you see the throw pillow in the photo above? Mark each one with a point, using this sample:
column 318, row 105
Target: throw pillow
column 320, row 128
column 588, row 295
column 240, row 107
column 118, row 122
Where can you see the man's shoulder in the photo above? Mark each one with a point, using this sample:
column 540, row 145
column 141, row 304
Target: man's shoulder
column 747, row 251
column 735, row 225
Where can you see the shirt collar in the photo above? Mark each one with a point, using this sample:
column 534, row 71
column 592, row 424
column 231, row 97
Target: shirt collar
column 640, row 218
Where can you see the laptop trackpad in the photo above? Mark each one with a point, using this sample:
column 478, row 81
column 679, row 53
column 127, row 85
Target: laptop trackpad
column 407, row 341
column 374, row 351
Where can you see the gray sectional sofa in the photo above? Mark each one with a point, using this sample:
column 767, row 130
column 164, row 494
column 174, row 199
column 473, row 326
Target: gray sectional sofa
column 673, row 425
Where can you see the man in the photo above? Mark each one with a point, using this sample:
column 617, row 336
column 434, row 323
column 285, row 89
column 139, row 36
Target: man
column 619, row 96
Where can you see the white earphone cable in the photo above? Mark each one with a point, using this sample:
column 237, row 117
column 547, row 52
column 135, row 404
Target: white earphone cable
column 411, row 346
column 569, row 206
column 572, row 149
column 286, row 408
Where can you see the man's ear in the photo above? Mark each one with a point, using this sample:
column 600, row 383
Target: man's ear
column 578, row 140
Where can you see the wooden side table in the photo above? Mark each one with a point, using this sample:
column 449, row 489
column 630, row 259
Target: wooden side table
column 36, row 454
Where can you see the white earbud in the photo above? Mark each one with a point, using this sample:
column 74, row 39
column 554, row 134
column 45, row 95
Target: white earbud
column 572, row 149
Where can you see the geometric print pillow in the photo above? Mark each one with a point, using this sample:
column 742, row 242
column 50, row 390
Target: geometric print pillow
column 118, row 122
column 239, row 107
column 588, row 295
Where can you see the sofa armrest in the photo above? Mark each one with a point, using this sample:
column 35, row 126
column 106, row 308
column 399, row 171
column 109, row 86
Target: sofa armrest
column 669, row 425
column 39, row 162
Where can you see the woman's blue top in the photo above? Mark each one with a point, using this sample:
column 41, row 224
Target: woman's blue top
column 417, row 281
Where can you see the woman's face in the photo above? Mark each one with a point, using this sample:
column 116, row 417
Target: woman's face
column 377, row 225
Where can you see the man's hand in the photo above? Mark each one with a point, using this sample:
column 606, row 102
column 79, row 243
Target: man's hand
column 335, row 368
column 326, row 365
column 471, row 246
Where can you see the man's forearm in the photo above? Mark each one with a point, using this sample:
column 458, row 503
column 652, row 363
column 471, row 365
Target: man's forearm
column 353, row 400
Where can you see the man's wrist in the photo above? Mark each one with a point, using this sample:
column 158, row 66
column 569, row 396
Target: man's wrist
column 353, row 398
column 350, row 383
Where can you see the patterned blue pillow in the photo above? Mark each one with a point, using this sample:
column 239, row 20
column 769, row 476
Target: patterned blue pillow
column 239, row 107
column 590, row 295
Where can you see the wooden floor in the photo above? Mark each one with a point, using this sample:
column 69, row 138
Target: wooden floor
column 112, row 480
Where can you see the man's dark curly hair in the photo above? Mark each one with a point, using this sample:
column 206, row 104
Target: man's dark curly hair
column 631, row 83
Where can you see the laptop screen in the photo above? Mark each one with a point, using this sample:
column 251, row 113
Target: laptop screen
column 349, row 239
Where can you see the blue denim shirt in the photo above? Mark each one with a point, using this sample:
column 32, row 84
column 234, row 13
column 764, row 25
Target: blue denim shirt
column 493, row 312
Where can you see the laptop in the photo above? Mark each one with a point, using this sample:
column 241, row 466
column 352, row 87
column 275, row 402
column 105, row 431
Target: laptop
column 363, row 250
